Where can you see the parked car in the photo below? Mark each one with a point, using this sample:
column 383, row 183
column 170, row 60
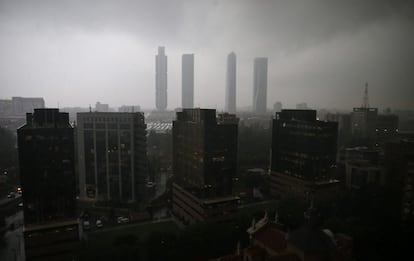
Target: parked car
column 99, row 223
column 122, row 220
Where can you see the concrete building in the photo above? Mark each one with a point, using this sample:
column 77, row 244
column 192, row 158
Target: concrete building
column 187, row 78
column 204, row 162
column 260, row 85
column 101, row 107
column 46, row 159
column 230, row 105
column 20, row 105
column 161, row 79
column 399, row 163
column 111, row 156
column 362, row 173
column 363, row 124
column 303, row 151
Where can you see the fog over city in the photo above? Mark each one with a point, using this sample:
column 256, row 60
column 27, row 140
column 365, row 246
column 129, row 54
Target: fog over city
column 74, row 53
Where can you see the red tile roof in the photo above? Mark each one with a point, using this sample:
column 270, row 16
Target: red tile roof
column 271, row 237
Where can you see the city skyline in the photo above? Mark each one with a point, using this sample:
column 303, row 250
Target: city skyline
column 74, row 54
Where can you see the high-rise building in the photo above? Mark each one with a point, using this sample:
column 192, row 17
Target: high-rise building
column 112, row 155
column 230, row 105
column 187, row 78
column 161, row 79
column 260, row 85
column 46, row 159
column 204, row 162
column 303, row 150
column 363, row 123
column 399, row 163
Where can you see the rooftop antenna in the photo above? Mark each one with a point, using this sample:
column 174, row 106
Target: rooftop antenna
column 365, row 103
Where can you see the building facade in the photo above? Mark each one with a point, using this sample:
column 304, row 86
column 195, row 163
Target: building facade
column 111, row 156
column 303, row 151
column 230, row 105
column 204, row 162
column 161, row 79
column 260, row 85
column 46, row 159
column 399, row 163
column 187, row 78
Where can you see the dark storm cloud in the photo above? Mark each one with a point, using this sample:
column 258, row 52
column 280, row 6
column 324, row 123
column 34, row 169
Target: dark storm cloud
column 320, row 52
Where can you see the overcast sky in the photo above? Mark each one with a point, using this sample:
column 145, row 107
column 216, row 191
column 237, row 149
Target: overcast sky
column 78, row 52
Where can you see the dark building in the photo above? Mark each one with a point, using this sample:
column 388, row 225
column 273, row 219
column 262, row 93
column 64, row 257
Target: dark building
column 161, row 79
column 204, row 162
column 303, row 151
column 112, row 155
column 399, row 163
column 363, row 124
column 46, row 158
column 386, row 129
column 187, row 78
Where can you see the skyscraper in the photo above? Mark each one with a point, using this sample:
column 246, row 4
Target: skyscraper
column 260, row 85
column 230, row 106
column 303, row 150
column 112, row 155
column 187, row 73
column 46, row 159
column 204, row 162
column 161, row 79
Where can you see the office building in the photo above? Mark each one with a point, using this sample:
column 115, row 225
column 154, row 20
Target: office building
column 303, row 151
column 260, row 85
column 399, row 163
column 20, row 105
column 102, row 107
column 46, row 159
column 363, row 124
column 204, row 162
column 230, row 105
column 161, row 79
column 111, row 156
column 187, row 78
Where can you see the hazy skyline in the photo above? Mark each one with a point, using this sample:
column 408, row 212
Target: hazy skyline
column 74, row 53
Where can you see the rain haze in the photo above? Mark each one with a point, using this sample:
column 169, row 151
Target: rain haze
column 75, row 53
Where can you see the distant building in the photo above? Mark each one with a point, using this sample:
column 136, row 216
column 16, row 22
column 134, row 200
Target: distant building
column 187, row 78
column 230, row 105
column 204, row 162
column 13, row 112
column 101, row 107
column 20, row 105
column 46, row 159
column 386, row 129
column 129, row 108
column 363, row 123
column 302, row 106
column 303, row 151
column 112, row 156
column 260, row 85
column 277, row 107
column 161, row 79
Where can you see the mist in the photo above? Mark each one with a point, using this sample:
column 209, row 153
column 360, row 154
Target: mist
column 74, row 53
